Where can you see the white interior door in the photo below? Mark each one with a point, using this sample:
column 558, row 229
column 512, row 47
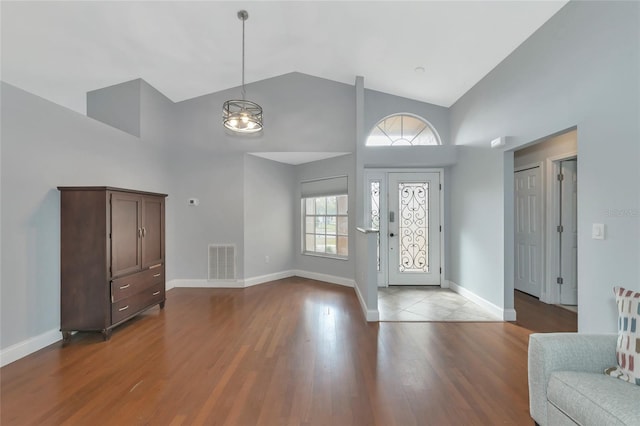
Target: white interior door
column 414, row 228
column 569, row 234
column 529, row 269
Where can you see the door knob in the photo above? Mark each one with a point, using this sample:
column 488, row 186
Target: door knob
column 392, row 234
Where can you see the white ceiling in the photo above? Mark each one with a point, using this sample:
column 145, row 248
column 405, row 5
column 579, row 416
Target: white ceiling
column 61, row 50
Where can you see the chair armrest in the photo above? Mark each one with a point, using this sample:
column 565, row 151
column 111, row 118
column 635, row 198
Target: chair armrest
column 549, row 352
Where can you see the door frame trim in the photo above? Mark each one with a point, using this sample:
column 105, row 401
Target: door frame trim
column 375, row 172
column 552, row 164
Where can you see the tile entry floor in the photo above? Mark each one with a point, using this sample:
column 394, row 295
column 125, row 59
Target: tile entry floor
column 428, row 303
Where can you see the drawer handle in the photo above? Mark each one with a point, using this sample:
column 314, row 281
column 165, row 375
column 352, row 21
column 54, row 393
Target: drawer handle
column 156, row 293
column 156, row 275
column 123, row 309
column 122, row 287
column 155, row 266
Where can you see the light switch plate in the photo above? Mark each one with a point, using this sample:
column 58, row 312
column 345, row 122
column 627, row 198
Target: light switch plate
column 597, row 231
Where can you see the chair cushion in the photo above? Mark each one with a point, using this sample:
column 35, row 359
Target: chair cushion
column 594, row 399
column 628, row 346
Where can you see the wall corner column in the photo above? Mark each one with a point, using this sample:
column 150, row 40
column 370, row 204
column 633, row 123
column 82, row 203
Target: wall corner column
column 366, row 285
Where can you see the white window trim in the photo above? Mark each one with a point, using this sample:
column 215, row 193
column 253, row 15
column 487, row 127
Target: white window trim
column 303, row 227
column 424, row 120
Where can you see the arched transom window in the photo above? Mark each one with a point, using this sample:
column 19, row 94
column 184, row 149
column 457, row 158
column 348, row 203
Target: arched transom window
column 403, row 130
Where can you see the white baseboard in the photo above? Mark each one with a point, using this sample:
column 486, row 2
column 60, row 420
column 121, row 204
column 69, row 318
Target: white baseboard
column 509, row 314
column 370, row 315
column 168, row 285
column 505, row 314
column 347, row 282
column 28, row 346
column 248, row 282
column 445, row 284
column 203, row 283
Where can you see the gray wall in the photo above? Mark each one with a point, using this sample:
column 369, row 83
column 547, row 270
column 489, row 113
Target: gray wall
column 364, row 284
column 476, row 230
column 158, row 127
column 158, row 133
column 209, row 163
column 338, row 166
column 580, row 69
column 269, row 220
column 217, row 180
column 325, row 107
column 44, row 146
column 117, row 106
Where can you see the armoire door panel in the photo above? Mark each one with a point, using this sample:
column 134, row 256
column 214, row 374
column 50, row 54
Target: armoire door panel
column 152, row 231
column 126, row 233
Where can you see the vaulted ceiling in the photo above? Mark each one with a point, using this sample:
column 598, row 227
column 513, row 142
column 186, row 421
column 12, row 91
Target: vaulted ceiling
column 425, row 50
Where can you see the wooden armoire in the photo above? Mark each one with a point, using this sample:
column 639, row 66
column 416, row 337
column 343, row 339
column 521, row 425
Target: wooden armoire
column 111, row 256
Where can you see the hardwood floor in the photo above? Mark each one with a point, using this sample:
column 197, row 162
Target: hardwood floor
column 292, row 352
column 541, row 317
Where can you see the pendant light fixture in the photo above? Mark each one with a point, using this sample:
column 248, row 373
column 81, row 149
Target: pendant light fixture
column 242, row 116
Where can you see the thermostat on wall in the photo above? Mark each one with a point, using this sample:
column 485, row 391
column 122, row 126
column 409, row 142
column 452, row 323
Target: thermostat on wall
column 194, row 202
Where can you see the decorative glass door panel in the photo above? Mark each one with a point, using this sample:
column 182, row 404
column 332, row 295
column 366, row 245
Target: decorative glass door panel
column 414, row 229
column 375, row 214
column 376, row 207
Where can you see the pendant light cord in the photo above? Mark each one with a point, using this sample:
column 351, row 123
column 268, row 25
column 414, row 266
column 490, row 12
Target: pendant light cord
column 243, row 90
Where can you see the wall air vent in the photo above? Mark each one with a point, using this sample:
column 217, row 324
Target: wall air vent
column 222, row 262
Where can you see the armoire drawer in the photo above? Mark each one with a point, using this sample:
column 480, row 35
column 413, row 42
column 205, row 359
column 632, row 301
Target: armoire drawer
column 124, row 287
column 124, row 308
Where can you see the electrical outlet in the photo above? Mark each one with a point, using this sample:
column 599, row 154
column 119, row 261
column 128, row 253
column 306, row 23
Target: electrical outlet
column 266, row 259
column 193, row 202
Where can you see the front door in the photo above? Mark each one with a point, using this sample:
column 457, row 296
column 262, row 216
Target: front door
column 414, row 228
